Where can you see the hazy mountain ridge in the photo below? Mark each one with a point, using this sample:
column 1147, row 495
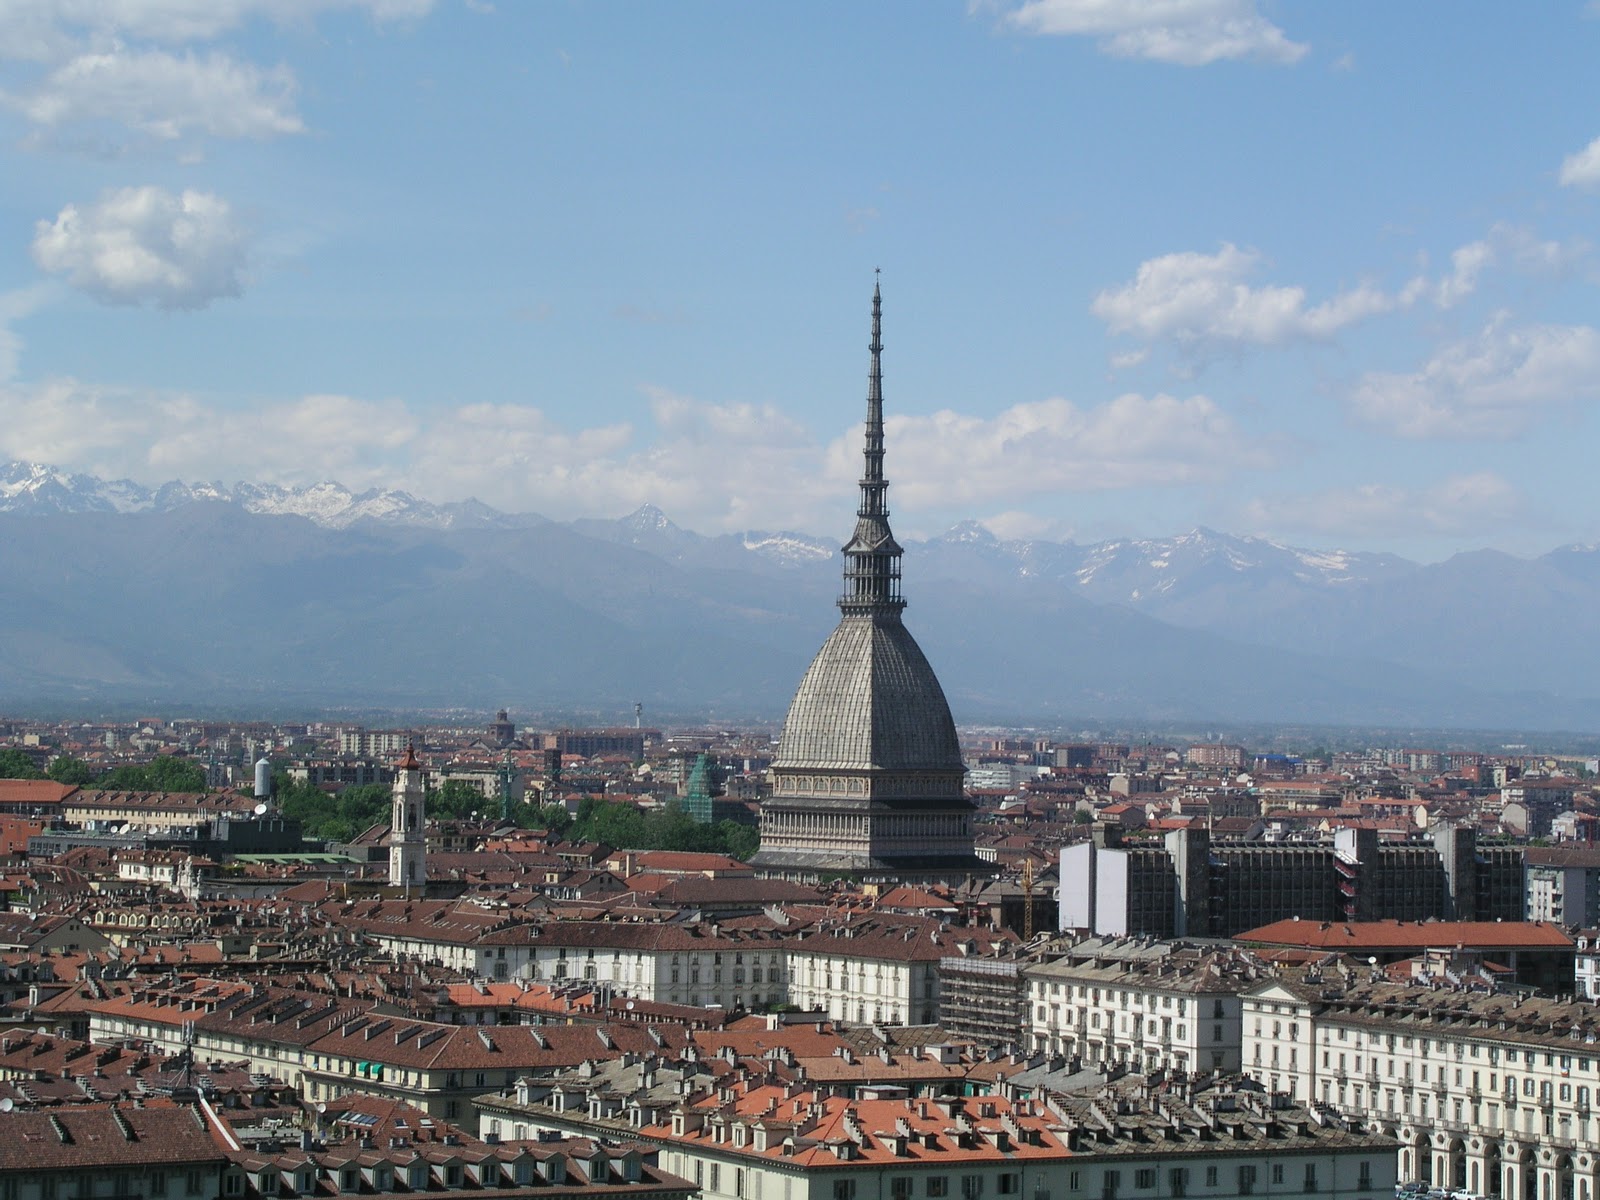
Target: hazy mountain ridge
column 36, row 489
column 378, row 596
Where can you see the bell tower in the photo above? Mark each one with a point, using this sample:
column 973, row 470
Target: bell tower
column 408, row 846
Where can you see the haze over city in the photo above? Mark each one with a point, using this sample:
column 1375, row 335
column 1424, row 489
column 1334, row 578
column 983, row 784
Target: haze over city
column 1321, row 273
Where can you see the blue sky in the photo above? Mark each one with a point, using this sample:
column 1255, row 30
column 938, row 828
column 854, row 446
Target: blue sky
column 1320, row 272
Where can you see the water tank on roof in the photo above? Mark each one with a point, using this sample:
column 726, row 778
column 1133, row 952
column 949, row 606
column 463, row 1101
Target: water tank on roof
column 263, row 778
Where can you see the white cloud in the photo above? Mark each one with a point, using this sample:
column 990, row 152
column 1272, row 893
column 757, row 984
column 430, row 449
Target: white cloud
column 1522, row 249
column 1582, row 168
column 1203, row 302
column 144, row 244
column 164, row 95
column 1466, row 264
column 33, row 28
column 1512, row 247
column 1204, row 299
column 1492, row 385
column 1026, row 526
column 1053, row 445
column 1460, row 504
column 108, row 62
column 14, row 306
column 155, row 437
column 710, row 466
column 1186, row 32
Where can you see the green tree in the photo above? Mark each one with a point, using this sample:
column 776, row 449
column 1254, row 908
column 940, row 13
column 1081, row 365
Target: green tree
column 553, row 817
column 458, row 799
column 619, row 825
column 168, row 773
column 14, row 764
column 365, row 805
column 739, row 841
column 66, row 769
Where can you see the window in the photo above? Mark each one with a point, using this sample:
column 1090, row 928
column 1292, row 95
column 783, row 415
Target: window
column 1247, row 1178
column 938, row 1185
column 900, row 1187
column 1009, row 1183
column 716, row 1178
column 1109, row 1183
column 1277, row 1172
column 1211, row 1177
column 1311, row 1179
column 844, row 1189
column 971, row 1187
column 1365, row 1181
column 1144, row 1177
column 1178, row 1181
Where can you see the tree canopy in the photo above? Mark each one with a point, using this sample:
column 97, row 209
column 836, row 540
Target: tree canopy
column 167, row 773
column 66, row 769
column 14, row 764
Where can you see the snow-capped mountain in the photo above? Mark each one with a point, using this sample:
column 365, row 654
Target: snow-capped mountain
column 35, row 488
column 1202, row 623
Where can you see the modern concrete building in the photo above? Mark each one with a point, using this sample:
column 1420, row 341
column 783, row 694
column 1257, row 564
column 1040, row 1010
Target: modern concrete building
column 1191, row 885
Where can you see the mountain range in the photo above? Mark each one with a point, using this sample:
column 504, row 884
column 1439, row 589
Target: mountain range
column 319, row 596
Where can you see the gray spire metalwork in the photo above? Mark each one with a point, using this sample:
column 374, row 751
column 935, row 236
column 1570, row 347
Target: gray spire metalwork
column 872, row 556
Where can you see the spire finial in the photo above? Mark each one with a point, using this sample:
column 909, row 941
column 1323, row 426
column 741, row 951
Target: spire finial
column 872, row 557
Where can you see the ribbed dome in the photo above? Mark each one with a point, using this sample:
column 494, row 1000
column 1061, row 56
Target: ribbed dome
column 868, row 701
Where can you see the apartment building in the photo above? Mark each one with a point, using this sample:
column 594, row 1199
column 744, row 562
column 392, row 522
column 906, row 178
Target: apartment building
column 1489, row 1091
column 326, row 1048
column 113, row 1151
column 759, row 1138
column 878, row 968
column 1563, row 885
column 1146, row 1006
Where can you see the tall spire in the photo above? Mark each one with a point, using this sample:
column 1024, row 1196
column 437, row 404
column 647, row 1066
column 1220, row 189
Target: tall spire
column 872, row 556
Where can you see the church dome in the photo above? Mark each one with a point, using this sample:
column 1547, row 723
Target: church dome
column 869, row 701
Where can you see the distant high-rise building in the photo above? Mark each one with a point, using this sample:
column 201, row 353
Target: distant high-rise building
column 868, row 777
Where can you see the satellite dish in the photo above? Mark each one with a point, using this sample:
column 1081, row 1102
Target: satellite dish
column 628, row 1006
column 6, row 1104
column 322, row 1108
column 260, row 810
